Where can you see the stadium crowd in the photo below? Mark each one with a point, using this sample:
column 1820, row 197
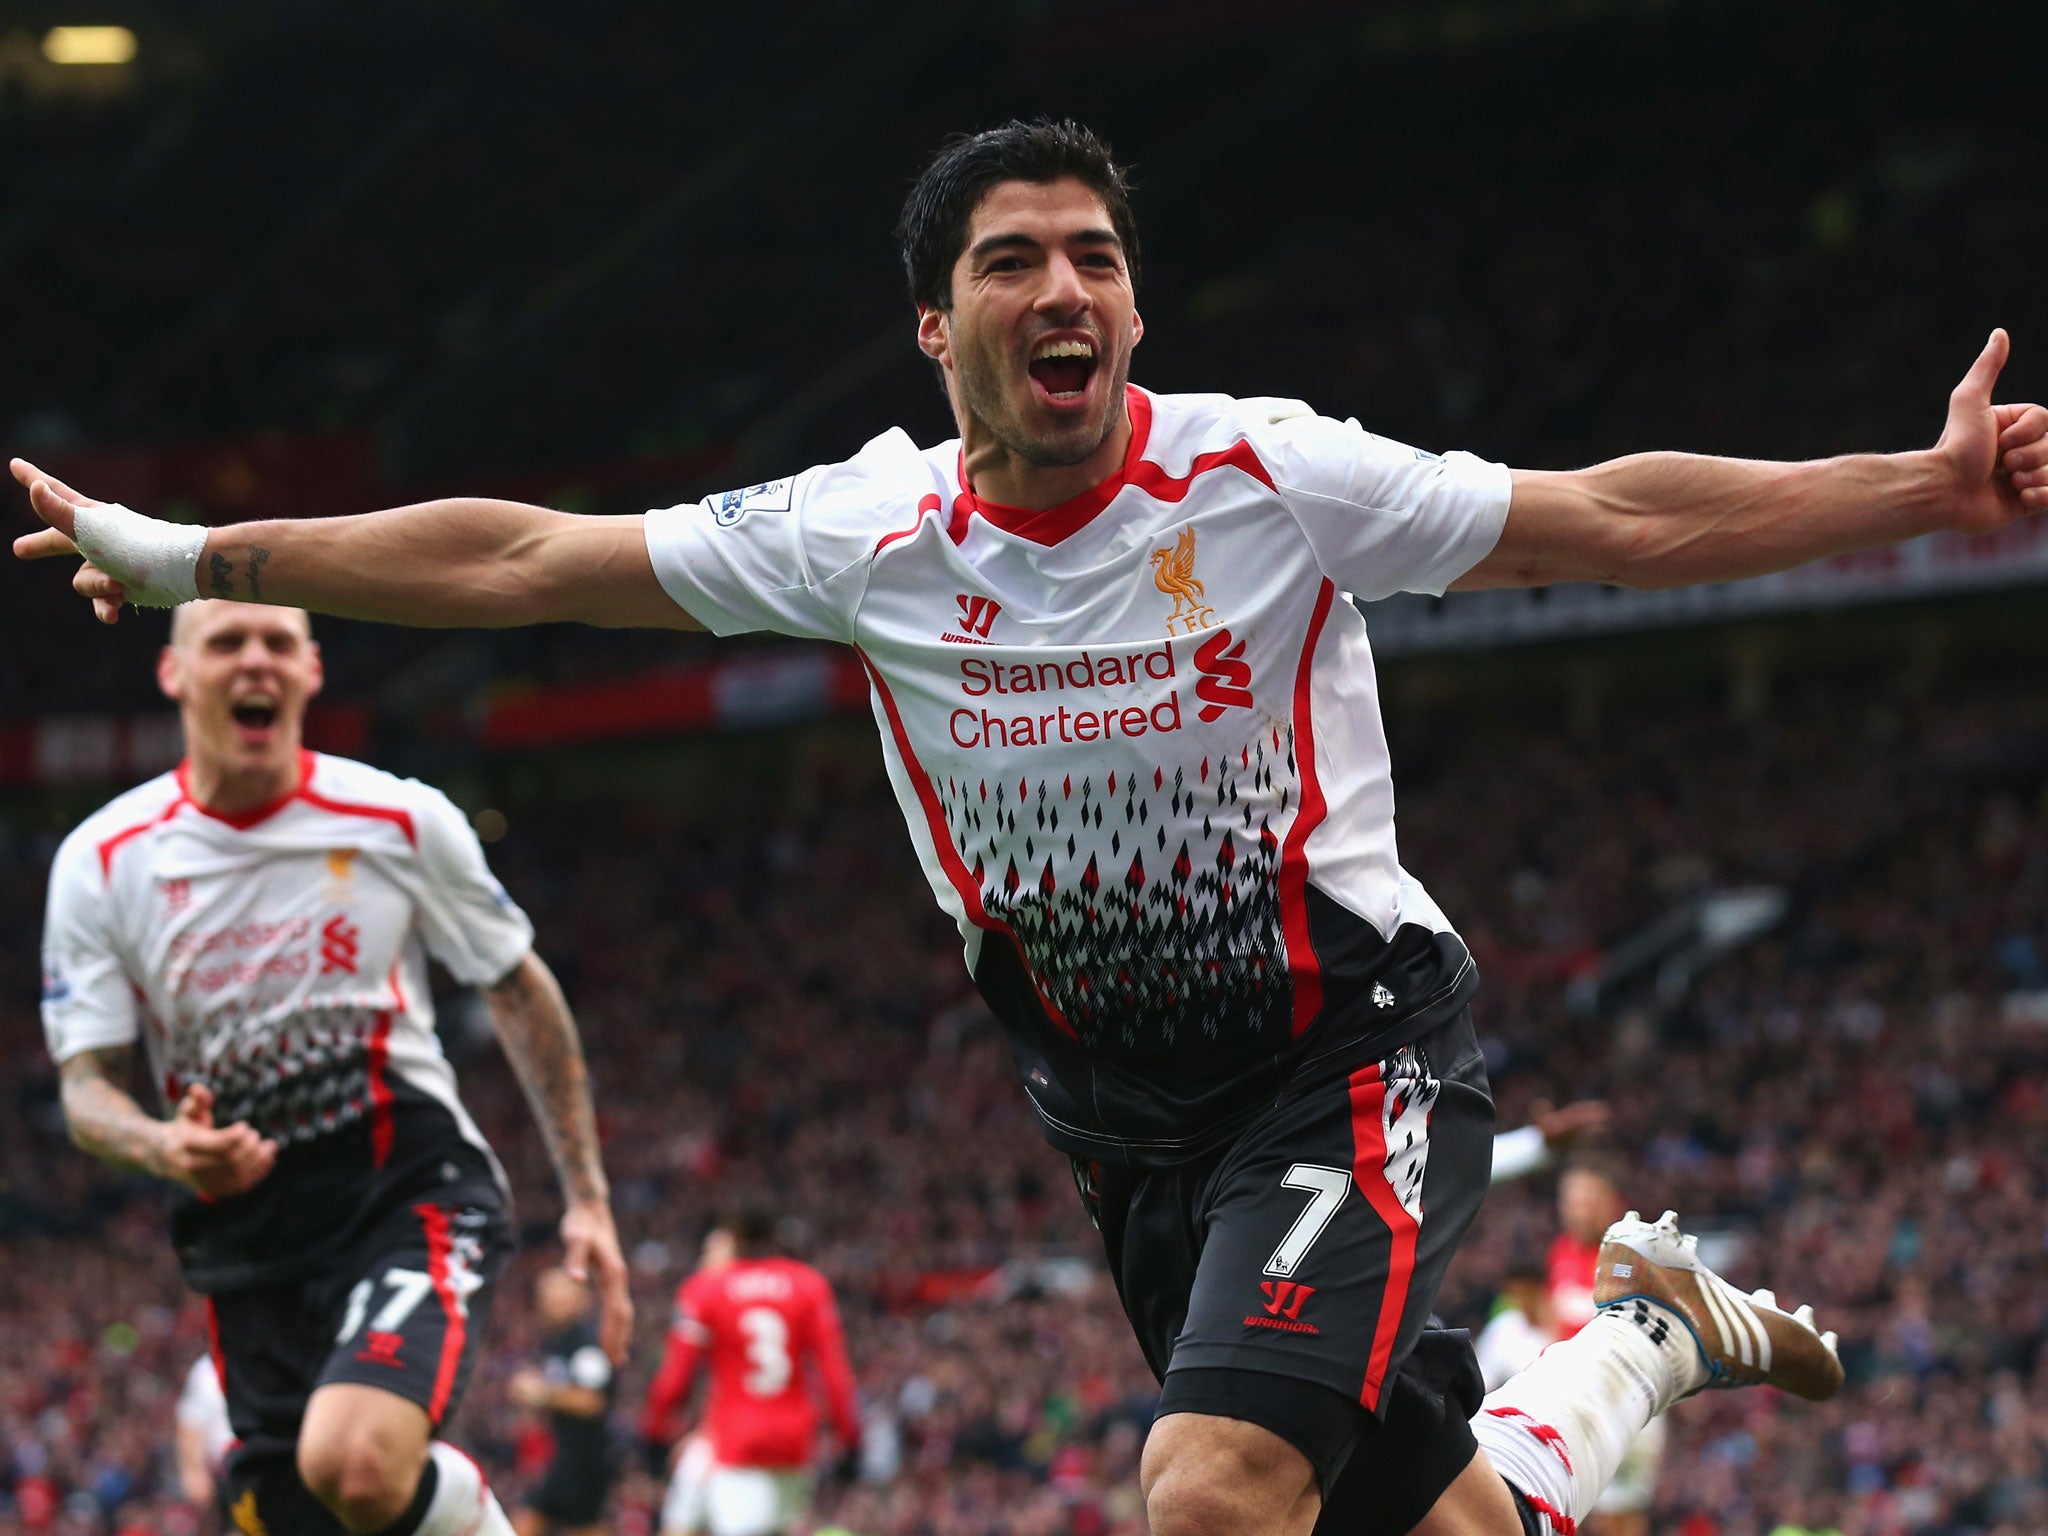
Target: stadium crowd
column 1855, row 1107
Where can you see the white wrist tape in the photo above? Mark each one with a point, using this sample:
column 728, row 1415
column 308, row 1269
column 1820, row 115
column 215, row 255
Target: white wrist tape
column 156, row 562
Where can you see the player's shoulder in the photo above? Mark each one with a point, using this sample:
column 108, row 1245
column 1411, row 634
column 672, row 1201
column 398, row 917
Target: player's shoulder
column 345, row 787
column 127, row 815
column 1183, row 426
column 868, row 487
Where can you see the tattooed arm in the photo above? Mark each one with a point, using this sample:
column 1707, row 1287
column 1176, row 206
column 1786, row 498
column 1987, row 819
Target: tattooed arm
column 539, row 1036
column 463, row 561
column 187, row 1148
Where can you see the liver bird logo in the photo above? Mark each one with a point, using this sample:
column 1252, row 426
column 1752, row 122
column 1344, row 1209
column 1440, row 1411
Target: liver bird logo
column 1173, row 572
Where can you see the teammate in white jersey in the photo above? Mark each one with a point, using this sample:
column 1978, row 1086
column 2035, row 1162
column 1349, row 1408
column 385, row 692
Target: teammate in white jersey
column 260, row 920
column 1129, row 713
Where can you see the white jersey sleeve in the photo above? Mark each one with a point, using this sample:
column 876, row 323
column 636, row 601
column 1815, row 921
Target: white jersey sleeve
column 1380, row 516
column 467, row 920
column 88, row 1000
column 788, row 555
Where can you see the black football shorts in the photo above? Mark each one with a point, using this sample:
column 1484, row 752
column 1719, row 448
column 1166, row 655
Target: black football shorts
column 402, row 1309
column 1288, row 1276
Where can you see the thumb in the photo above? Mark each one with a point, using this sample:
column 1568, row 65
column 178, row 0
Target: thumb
column 1975, row 390
column 196, row 1107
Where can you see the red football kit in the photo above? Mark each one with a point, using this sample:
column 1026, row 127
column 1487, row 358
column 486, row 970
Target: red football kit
column 1569, row 1279
column 760, row 1322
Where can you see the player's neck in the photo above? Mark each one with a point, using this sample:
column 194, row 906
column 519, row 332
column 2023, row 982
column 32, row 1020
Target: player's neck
column 232, row 789
column 996, row 473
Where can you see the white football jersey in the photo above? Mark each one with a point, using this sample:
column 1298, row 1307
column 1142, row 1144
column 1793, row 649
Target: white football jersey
column 279, row 957
column 1136, row 737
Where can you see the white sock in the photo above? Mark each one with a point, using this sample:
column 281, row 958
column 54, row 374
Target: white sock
column 1558, row 1430
column 463, row 1504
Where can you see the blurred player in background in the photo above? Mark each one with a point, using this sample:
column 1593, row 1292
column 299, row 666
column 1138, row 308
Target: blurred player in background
column 1589, row 1201
column 204, row 1436
column 260, row 919
column 1521, row 1327
column 573, row 1386
column 770, row 1331
column 1242, row 1019
column 683, row 1507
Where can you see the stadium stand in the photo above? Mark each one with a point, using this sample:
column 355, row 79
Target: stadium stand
column 1466, row 238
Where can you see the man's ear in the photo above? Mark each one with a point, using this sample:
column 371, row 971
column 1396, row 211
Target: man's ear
column 935, row 334
column 319, row 669
column 168, row 680
column 1137, row 327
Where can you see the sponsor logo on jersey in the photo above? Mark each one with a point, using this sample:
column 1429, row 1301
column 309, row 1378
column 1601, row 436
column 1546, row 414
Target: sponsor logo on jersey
column 340, row 941
column 976, row 615
column 769, row 496
column 1284, row 1300
column 1226, row 680
column 1173, row 572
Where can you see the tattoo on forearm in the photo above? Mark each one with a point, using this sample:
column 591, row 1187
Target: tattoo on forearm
column 540, row 1040
column 102, row 1118
column 222, row 570
column 257, row 555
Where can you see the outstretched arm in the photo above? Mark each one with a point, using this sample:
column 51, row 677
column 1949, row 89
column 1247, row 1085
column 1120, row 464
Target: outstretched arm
column 440, row 564
column 1676, row 519
column 539, row 1036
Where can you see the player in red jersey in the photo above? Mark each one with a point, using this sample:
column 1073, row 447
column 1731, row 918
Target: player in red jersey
column 770, row 1331
column 1589, row 1201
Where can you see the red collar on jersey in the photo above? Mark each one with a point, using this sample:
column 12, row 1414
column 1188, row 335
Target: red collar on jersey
column 1056, row 523
column 1073, row 514
column 242, row 821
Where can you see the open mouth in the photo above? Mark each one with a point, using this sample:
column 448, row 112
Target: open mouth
column 1063, row 368
column 254, row 714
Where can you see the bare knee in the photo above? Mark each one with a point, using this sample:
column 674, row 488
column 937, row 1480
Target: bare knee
column 364, row 1470
column 1209, row 1476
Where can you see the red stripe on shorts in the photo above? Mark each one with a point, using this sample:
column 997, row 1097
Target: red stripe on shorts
column 434, row 1222
column 1369, row 1172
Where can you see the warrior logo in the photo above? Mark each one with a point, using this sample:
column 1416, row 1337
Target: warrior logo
column 1284, row 1297
column 976, row 614
column 1173, row 572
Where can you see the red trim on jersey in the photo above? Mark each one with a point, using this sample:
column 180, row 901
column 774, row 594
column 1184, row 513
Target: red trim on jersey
column 1369, row 1173
column 434, row 1223
column 925, row 506
column 1056, row 523
column 378, row 1058
column 242, row 821
column 1302, row 965
column 113, row 844
column 391, row 813
column 942, row 840
column 220, row 1359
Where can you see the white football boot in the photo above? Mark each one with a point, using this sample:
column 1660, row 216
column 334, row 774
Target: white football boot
column 1743, row 1341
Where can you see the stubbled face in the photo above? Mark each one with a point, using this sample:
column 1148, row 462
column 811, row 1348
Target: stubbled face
column 1037, row 345
column 1587, row 1205
column 241, row 675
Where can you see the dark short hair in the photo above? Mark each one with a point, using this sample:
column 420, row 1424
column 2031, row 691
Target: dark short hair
column 933, row 229
column 753, row 1226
